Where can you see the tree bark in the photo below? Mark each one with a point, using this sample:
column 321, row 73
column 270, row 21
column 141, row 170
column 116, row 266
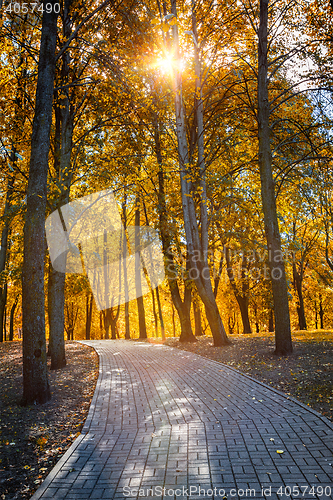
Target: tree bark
column 3, row 301
column 197, row 319
column 63, row 148
column 283, row 343
column 3, row 252
column 154, row 311
column 298, row 279
column 170, row 269
column 35, row 378
column 321, row 313
column 271, row 321
column 197, row 247
column 113, row 323
column 11, row 319
column 56, row 312
column 124, row 220
column 138, row 285
column 89, row 304
column 243, row 297
column 160, row 313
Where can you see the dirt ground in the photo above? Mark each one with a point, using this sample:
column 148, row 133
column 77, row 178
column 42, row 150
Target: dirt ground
column 33, row 438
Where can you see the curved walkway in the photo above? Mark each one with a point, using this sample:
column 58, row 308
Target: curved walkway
column 166, row 423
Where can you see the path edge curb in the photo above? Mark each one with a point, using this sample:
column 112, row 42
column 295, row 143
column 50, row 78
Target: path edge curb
column 85, row 430
column 49, row 478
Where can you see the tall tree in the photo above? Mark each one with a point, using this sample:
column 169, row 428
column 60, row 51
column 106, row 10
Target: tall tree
column 35, row 378
column 283, row 343
column 64, row 174
column 197, row 243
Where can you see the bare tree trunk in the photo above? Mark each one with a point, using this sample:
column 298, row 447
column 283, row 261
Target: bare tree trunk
column 5, row 323
column 113, row 322
column 3, row 251
column 186, row 334
column 197, row 247
column 11, row 320
column 271, row 320
column 243, row 297
column 197, row 318
column 298, row 279
column 56, row 289
column 321, row 312
column 127, row 321
column 154, row 311
column 3, row 301
column 166, row 237
column 138, row 285
column 89, row 304
column 283, row 343
column 106, row 321
column 173, row 321
column 231, row 323
column 56, row 312
column 255, row 307
column 160, row 314
column 35, row 378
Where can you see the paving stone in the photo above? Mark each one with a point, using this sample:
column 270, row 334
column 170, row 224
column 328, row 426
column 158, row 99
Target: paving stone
column 158, row 419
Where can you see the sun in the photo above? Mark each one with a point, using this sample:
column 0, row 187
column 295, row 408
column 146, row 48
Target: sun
column 166, row 64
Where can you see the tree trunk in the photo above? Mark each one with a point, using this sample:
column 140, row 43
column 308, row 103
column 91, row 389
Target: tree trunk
column 298, row 279
column 166, row 237
column 106, row 321
column 113, row 322
column 89, row 304
column 11, row 321
column 35, row 378
column 56, row 312
column 3, row 301
column 321, row 313
column 5, row 323
column 231, row 323
column 283, row 343
column 244, row 310
column 197, row 246
column 243, row 297
column 113, row 331
column 56, row 289
column 138, row 285
column 127, row 321
column 197, row 319
column 160, row 314
column 3, row 252
column 154, row 312
column 173, row 321
column 255, row 307
column 271, row 321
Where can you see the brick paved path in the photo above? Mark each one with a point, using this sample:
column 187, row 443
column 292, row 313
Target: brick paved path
column 166, row 418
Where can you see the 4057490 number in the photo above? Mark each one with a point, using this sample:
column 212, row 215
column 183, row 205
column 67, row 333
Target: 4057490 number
column 24, row 8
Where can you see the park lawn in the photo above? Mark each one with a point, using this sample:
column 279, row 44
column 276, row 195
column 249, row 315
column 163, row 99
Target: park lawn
column 306, row 374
